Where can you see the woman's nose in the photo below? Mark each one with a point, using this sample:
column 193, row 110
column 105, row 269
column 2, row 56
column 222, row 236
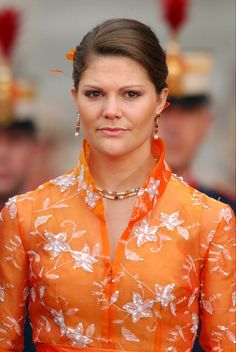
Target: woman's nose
column 111, row 108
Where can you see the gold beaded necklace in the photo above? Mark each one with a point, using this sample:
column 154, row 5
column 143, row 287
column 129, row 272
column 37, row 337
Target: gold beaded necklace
column 118, row 195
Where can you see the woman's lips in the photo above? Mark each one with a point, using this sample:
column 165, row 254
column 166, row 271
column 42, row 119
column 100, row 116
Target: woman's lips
column 115, row 131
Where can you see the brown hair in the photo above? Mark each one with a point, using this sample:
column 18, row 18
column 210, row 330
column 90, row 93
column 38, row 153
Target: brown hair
column 123, row 37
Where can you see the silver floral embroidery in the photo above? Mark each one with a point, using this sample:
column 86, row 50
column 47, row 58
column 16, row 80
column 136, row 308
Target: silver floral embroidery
column 84, row 259
column 12, row 246
column 164, row 294
column 139, row 308
column 128, row 335
column 145, row 233
column 230, row 335
column 170, row 221
column 11, row 206
column 130, row 255
column 80, row 179
column 42, row 291
column 183, row 232
column 40, row 220
column 207, row 302
column 233, row 309
column 76, row 335
column 91, row 197
column 103, row 299
column 2, row 292
column 209, row 239
column 195, row 323
column 226, row 215
column 179, row 178
column 151, row 189
column 218, row 255
column 43, row 323
column 175, row 334
column 199, row 199
column 65, row 181
column 189, row 268
column 33, row 294
column 55, row 243
column 11, row 324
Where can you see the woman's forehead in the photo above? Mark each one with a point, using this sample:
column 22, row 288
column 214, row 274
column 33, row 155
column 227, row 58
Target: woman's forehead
column 103, row 68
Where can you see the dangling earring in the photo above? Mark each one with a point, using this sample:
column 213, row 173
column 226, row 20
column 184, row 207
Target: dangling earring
column 155, row 131
column 77, row 129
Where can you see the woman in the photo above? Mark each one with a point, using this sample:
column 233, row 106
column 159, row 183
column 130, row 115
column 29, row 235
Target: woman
column 117, row 251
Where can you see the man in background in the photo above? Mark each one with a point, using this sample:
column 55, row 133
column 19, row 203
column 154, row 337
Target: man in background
column 186, row 122
column 17, row 149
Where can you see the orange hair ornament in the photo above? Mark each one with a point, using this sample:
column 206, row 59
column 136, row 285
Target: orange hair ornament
column 69, row 56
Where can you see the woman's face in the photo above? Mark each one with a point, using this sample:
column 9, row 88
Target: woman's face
column 117, row 103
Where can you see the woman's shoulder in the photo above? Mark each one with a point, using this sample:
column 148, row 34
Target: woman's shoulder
column 190, row 197
column 50, row 191
column 200, row 211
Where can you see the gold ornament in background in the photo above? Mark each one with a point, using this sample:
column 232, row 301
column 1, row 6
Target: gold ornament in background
column 14, row 94
column 6, row 93
column 189, row 72
column 176, row 67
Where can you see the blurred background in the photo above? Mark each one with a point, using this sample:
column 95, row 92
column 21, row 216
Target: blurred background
column 49, row 28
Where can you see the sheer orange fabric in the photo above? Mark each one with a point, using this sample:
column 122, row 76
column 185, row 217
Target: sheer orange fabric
column 177, row 249
column 57, row 348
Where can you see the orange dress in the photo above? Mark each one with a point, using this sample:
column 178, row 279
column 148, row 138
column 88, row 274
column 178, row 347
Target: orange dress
column 177, row 250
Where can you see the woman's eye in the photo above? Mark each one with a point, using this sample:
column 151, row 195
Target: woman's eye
column 92, row 93
column 132, row 94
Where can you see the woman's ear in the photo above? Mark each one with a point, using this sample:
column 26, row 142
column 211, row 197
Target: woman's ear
column 162, row 99
column 73, row 93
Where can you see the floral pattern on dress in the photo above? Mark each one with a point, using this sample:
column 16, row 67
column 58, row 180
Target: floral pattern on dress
column 139, row 308
column 66, row 181
column 83, row 259
column 145, row 233
column 175, row 252
column 151, row 189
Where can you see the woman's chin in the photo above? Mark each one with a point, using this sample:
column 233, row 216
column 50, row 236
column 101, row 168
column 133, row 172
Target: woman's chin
column 113, row 147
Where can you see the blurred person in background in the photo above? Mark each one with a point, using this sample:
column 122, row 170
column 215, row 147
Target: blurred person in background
column 18, row 144
column 187, row 121
column 17, row 150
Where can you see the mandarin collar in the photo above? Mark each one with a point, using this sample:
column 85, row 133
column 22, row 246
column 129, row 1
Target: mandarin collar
column 149, row 192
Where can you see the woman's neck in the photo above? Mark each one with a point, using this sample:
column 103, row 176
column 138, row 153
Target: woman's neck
column 123, row 173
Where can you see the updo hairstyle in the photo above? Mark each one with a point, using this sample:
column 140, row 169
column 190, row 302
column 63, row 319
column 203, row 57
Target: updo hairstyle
column 123, row 37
